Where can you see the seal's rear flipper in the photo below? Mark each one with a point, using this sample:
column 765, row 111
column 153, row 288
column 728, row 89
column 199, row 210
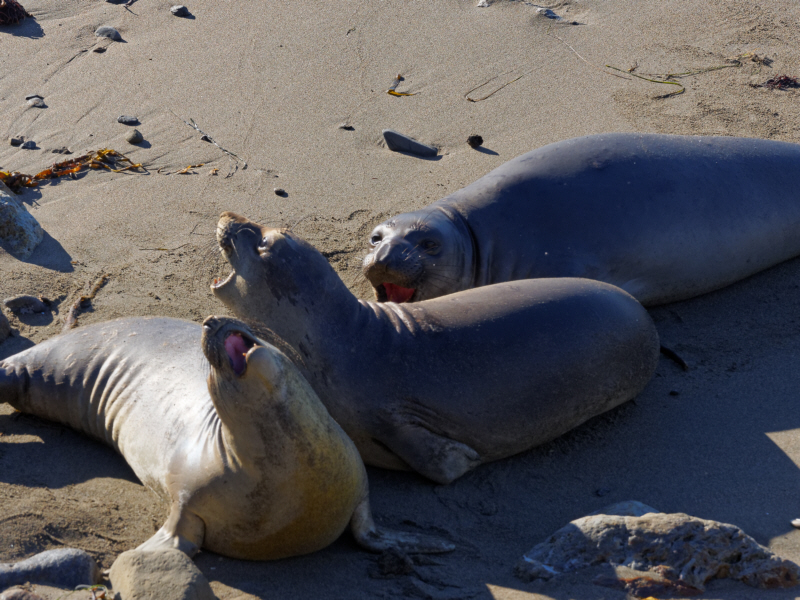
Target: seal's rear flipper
column 183, row 531
column 434, row 456
column 369, row 536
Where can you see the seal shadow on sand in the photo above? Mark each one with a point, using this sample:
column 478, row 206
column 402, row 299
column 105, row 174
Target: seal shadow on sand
column 27, row 28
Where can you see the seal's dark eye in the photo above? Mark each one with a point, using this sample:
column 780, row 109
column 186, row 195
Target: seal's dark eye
column 262, row 243
column 429, row 244
column 375, row 239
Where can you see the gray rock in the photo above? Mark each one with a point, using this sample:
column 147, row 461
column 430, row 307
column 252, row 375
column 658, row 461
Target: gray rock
column 16, row 141
column 180, row 10
column 402, row 143
column 29, row 145
column 19, row 230
column 167, row 574
column 5, row 333
column 684, row 550
column 127, row 120
column 134, row 137
column 25, row 305
column 19, row 594
column 66, row 567
column 37, row 101
column 109, row 32
column 62, row 150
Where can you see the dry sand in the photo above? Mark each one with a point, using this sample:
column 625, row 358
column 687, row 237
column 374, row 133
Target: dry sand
column 271, row 82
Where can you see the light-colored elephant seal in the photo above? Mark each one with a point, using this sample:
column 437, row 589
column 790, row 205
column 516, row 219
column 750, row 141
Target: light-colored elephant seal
column 664, row 217
column 443, row 385
column 237, row 442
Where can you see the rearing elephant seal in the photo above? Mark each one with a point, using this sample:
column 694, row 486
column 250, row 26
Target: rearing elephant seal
column 443, row 385
column 664, row 217
column 236, row 441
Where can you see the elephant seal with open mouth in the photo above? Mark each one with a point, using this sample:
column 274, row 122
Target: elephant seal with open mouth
column 218, row 423
column 448, row 384
column 664, row 217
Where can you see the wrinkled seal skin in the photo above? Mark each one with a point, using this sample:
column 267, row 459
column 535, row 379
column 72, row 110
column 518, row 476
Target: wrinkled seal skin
column 249, row 460
column 664, row 217
column 444, row 385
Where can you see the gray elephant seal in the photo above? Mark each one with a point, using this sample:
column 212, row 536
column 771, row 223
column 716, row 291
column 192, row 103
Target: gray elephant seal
column 663, row 217
column 444, row 385
column 218, row 423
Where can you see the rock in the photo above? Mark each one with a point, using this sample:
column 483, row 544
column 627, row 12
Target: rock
column 62, row 150
column 19, row 594
column 134, row 137
column 25, row 305
column 280, row 192
column 482, row 3
column 5, row 333
column 108, row 32
column 16, row 141
column 346, row 126
column 32, row 96
column 685, row 550
column 19, row 230
column 179, row 10
column 29, row 145
column 474, row 141
column 66, row 567
column 402, row 143
column 167, row 574
column 127, row 120
column 37, row 102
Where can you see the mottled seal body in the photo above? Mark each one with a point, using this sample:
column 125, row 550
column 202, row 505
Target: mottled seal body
column 663, row 217
column 444, row 385
column 217, row 422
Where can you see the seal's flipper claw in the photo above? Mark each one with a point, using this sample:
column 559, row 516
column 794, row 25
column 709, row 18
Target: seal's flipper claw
column 370, row 536
column 183, row 531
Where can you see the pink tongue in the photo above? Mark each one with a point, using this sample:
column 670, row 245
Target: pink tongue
column 395, row 293
column 236, row 349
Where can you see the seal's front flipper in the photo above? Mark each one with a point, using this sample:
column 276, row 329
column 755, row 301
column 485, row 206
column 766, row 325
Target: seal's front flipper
column 436, row 457
column 374, row 539
column 183, row 531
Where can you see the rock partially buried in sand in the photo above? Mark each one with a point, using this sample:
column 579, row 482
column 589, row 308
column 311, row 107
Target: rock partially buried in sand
column 179, row 10
column 402, row 143
column 681, row 549
column 138, row 575
column 108, row 32
column 19, row 230
column 66, row 567
column 25, row 305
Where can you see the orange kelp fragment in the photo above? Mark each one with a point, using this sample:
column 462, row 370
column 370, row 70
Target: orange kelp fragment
column 11, row 12
column 104, row 158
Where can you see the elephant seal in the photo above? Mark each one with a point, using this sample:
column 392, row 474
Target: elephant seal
column 444, row 385
column 663, row 217
column 218, row 423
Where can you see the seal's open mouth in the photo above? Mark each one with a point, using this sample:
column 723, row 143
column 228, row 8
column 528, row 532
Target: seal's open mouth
column 389, row 292
column 219, row 282
column 237, row 345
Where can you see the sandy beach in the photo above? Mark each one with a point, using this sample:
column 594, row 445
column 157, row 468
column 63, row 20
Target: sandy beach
column 272, row 83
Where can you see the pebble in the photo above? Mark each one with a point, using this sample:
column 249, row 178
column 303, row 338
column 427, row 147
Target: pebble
column 179, row 10
column 108, row 32
column 25, row 305
column 29, row 145
column 16, row 141
column 483, row 3
column 127, row 120
column 474, row 141
column 18, row 229
column 5, row 333
column 37, row 101
column 158, row 574
column 398, row 142
column 30, row 96
column 134, row 137
column 280, row 192
column 346, row 127
column 19, row 594
column 62, row 150
column 65, row 567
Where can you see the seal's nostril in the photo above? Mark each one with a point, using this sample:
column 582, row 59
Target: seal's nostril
column 210, row 323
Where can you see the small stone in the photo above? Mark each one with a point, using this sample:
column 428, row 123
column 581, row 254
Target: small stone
column 158, row 574
column 346, row 127
column 179, row 10
column 474, row 141
column 18, row 228
column 25, row 305
column 134, row 137
column 483, row 3
column 127, row 120
column 66, row 567
column 37, row 101
column 32, row 96
column 5, row 332
column 16, row 141
column 108, row 32
column 399, row 142
column 29, row 145
column 280, row 192
column 62, row 150
column 19, row 593
column 99, row 49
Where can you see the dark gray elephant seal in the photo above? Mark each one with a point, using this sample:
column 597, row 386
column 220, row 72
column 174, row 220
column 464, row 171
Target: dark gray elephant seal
column 448, row 384
column 236, row 441
column 663, row 217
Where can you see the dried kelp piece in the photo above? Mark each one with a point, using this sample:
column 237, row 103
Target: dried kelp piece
column 781, row 82
column 11, row 12
column 104, row 158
